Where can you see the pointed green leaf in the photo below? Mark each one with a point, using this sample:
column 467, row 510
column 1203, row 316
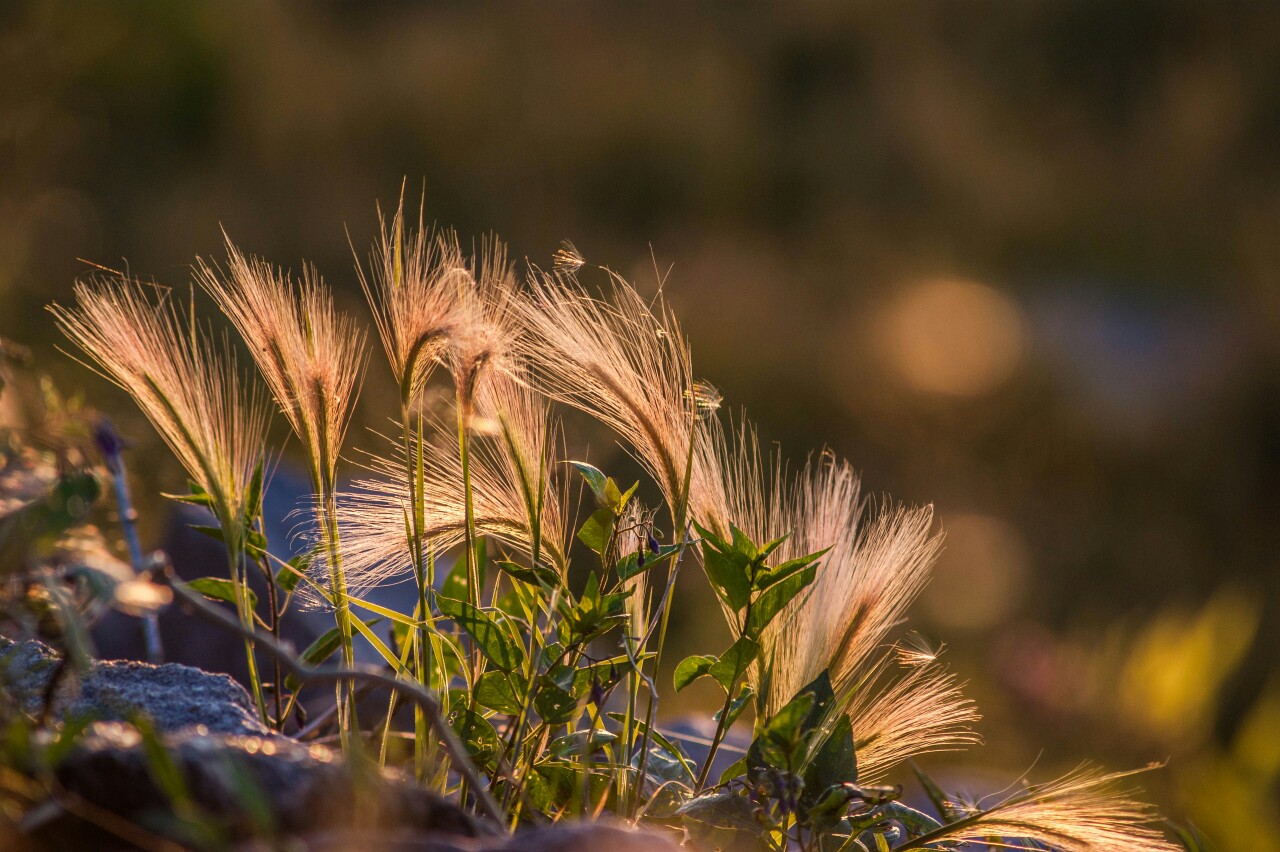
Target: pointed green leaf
column 834, row 763
column 738, row 705
column 537, row 575
column 596, row 480
column 692, row 668
column 769, row 604
column 500, row 691
column 253, row 497
column 492, row 640
column 781, row 572
column 597, row 530
column 728, row 576
column 220, row 589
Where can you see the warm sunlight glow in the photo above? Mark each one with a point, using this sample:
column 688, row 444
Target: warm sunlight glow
column 953, row 337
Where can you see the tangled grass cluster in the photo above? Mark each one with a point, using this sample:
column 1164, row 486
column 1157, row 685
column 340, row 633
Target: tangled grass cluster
column 547, row 678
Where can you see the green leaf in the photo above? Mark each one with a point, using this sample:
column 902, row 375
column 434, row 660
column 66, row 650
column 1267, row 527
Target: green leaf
column 255, row 543
column 400, row 638
column 455, row 584
column 783, row 740
column 780, row 742
column 363, row 628
column 319, row 651
column 738, row 704
column 197, row 497
column 606, row 673
column 290, row 574
column 597, row 530
column 771, row 576
column 692, row 668
column 388, row 614
column 834, row 763
column 723, row 821
column 220, row 589
column 253, row 498
column 497, row 691
column 743, row 545
column 735, row 770
column 476, row 733
column 769, row 604
column 581, row 743
column 734, row 662
column 728, row 575
column 615, row 499
column 536, row 575
column 938, row 798
column 555, row 705
column 493, row 641
column 595, row 479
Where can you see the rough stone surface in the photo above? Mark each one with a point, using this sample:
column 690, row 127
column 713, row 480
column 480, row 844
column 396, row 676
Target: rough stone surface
column 249, row 782
column 254, row 786
column 175, row 697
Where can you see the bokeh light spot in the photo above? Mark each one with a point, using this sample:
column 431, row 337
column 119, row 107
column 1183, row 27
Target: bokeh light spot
column 981, row 573
column 954, row 337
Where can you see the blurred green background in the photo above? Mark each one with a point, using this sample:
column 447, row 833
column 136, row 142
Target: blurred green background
column 1019, row 260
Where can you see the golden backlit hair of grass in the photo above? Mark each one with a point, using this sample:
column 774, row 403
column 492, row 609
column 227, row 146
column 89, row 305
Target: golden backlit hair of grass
column 311, row 356
column 903, row 706
column 511, row 477
column 1085, row 810
column 868, row 576
column 618, row 360
column 481, row 345
column 188, row 388
column 417, row 287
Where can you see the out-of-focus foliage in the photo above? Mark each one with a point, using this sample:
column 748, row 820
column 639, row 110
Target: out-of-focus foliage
column 1160, row 685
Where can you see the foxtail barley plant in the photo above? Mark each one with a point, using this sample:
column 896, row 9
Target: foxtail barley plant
column 543, row 630
column 311, row 358
column 191, row 392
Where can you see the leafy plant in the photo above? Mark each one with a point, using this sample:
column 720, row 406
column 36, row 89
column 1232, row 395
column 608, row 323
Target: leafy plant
column 546, row 676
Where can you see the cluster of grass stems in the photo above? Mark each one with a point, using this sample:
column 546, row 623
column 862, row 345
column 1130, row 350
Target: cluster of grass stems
column 534, row 688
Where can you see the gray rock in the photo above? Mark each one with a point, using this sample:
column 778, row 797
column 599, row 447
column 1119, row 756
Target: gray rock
column 176, row 697
column 250, row 787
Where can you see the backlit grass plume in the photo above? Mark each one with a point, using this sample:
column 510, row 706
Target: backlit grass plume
column 869, row 572
column 417, row 288
column 619, row 360
column 311, row 356
column 187, row 387
column 512, row 493
column 312, row 359
column 190, row 391
column 1085, row 810
column 904, row 706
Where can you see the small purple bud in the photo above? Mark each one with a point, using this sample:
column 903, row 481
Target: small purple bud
column 640, row 558
column 597, row 693
column 653, row 543
column 107, row 439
